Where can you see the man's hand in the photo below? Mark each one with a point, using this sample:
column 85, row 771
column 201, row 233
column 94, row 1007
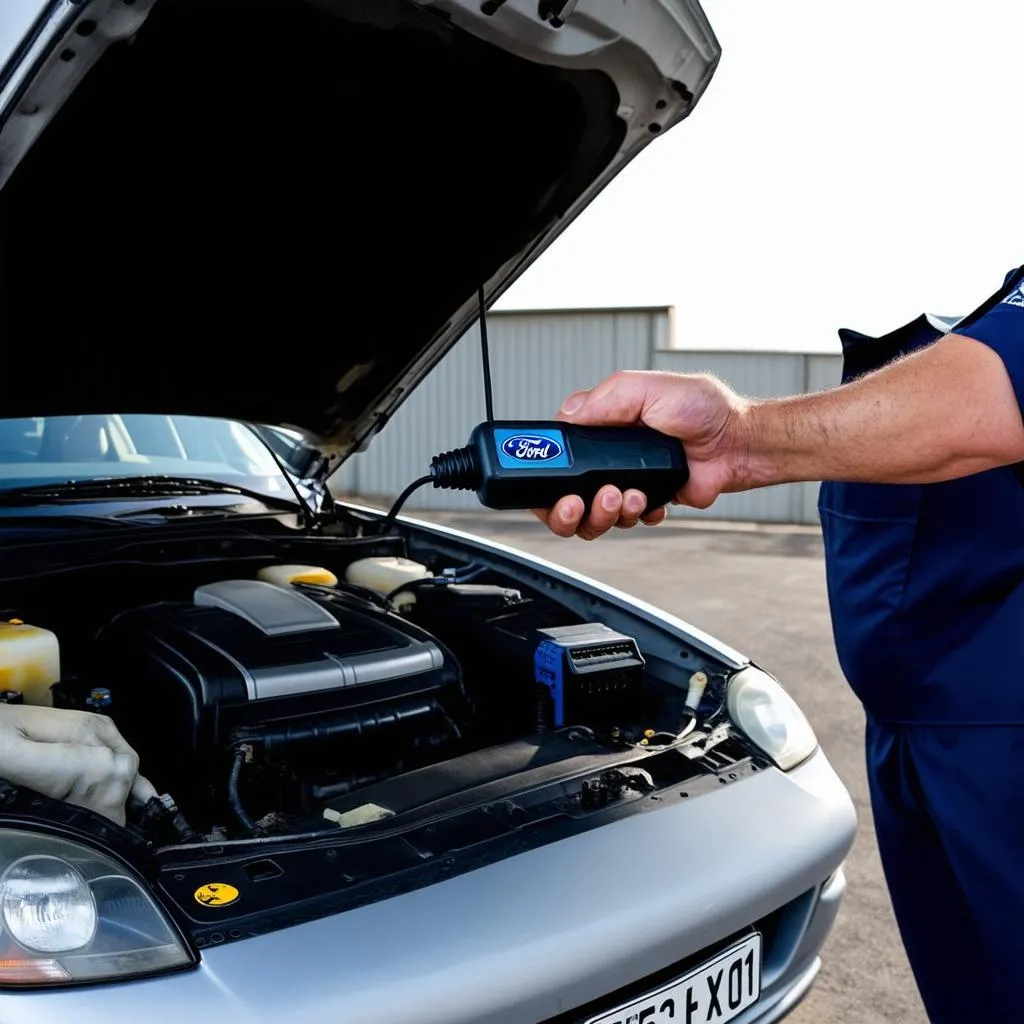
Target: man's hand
column 944, row 412
column 702, row 412
column 69, row 755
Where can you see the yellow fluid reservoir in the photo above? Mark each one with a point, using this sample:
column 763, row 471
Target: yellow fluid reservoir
column 285, row 575
column 29, row 661
column 386, row 574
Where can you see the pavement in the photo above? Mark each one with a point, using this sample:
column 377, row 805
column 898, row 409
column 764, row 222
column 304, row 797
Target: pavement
column 762, row 591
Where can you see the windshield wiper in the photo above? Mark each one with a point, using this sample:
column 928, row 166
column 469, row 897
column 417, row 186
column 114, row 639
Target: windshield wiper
column 134, row 487
column 182, row 511
column 62, row 523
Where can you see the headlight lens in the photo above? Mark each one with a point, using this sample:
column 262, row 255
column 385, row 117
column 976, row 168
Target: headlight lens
column 70, row 914
column 770, row 718
column 47, row 905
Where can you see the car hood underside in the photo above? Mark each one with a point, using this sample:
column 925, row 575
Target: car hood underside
column 281, row 211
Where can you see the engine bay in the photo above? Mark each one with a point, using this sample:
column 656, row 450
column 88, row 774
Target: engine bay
column 284, row 699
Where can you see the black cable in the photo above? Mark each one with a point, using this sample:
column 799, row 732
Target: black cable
column 234, row 800
column 721, row 711
column 435, row 581
column 456, row 469
column 389, row 519
column 485, row 355
column 352, row 593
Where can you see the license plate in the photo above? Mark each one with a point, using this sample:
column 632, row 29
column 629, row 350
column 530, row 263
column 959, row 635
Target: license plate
column 714, row 992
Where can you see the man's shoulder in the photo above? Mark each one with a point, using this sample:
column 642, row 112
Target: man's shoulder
column 1001, row 312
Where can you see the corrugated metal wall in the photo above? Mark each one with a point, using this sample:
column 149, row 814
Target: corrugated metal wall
column 537, row 358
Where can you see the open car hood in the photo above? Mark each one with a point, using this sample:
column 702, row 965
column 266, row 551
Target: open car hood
column 280, row 211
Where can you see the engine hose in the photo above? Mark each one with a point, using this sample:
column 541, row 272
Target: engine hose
column 360, row 723
column 234, row 800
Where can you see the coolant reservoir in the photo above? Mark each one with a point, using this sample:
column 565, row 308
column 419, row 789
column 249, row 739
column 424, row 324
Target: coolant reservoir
column 386, row 574
column 285, row 575
column 29, row 661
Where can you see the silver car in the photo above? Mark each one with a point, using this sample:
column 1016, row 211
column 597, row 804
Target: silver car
column 401, row 773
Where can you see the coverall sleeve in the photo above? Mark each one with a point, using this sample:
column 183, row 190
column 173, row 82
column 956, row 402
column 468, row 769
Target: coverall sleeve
column 1000, row 325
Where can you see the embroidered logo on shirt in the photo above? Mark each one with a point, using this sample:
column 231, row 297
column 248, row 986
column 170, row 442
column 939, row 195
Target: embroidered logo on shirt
column 1015, row 298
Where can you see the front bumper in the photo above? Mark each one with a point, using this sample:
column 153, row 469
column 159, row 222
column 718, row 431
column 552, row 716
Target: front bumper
column 789, row 980
column 532, row 937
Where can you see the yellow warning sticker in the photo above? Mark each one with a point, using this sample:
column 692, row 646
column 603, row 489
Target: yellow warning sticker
column 216, row 894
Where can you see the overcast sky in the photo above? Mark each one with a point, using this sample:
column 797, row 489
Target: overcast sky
column 851, row 164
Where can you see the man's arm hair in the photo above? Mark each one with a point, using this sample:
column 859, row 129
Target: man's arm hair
column 944, row 412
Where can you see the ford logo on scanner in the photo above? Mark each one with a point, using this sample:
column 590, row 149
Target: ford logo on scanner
column 531, row 448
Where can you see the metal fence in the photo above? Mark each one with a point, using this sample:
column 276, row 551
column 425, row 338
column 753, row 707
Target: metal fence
column 537, row 358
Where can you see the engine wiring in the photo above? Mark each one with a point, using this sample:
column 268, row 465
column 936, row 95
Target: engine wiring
column 234, row 797
column 721, row 708
column 698, row 684
column 474, row 572
column 664, row 738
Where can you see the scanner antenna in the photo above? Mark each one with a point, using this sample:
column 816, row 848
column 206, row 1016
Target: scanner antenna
column 485, row 356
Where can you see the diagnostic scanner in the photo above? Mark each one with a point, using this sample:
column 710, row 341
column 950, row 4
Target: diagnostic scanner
column 516, row 464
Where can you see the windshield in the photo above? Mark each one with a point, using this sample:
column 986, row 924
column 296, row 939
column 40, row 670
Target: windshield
column 56, row 449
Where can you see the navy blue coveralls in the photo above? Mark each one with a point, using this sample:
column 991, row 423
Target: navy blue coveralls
column 926, row 590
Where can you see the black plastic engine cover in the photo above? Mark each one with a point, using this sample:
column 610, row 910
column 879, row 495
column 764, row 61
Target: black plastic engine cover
column 184, row 676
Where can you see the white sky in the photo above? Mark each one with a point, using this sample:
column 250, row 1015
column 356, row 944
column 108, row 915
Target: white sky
column 851, row 164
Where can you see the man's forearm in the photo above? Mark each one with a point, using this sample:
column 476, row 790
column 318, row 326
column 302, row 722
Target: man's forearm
column 945, row 412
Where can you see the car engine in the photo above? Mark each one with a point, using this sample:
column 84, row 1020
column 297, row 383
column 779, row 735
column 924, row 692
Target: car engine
column 309, row 688
column 268, row 704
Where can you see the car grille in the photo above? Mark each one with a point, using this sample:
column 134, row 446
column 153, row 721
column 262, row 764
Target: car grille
column 781, row 932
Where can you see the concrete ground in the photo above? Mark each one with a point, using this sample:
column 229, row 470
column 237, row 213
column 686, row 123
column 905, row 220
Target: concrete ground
column 762, row 590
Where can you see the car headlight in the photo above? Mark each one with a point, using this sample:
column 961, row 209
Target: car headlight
column 69, row 914
column 770, row 718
